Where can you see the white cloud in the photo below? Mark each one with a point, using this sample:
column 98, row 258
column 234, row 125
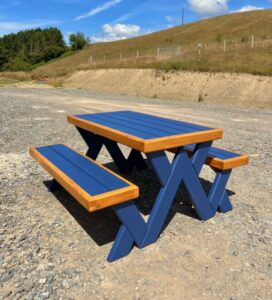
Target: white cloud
column 117, row 32
column 249, row 8
column 169, row 19
column 208, row 7
column 99, row 9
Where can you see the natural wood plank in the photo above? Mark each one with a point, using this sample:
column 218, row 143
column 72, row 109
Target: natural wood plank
column 150, row 145
column 91, row 203
column 222, row 164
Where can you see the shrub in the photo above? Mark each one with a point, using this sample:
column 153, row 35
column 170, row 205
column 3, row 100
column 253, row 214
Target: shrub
column 18, row 64
column 52, row 52
column 78, row 41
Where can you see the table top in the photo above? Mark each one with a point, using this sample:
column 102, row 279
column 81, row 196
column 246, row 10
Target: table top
column 143, row 132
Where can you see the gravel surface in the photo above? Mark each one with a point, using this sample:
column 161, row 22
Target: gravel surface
column 51, row 248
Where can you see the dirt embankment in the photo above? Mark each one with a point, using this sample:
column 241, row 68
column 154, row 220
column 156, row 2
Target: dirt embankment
column 238, row 89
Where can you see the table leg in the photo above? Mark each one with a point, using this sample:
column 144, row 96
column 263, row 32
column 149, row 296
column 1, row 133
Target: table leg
column 95, row 143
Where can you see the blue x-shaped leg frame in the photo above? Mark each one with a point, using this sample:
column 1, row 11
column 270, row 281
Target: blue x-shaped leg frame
column 134, row 230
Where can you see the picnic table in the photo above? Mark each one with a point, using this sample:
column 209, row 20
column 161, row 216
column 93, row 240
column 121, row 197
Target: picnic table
column 97, row 187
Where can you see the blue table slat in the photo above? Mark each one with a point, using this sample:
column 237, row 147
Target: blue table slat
column 216, row 152
column 90, row 184
column 110, row 124
column 142, row 125
column 164, row 121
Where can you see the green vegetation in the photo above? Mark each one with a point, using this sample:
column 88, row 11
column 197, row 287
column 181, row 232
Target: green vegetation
column 236, row 29
column 78, row 41
column 20, row 51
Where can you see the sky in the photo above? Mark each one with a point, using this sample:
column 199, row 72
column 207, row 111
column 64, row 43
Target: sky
column 106, row 20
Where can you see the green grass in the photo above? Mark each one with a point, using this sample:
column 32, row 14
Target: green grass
column 235, row 28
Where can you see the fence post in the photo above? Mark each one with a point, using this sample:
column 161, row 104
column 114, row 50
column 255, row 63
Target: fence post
column 252, row 42
column 137, row 54
column 225, row 45
column 120, row 56
column 104, row 59
column 90, row 61
column 158, row 52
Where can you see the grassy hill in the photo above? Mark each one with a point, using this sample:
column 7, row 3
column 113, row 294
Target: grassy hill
column 236, row 29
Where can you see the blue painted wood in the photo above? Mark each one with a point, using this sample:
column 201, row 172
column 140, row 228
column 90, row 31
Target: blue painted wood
column 93, row 141
column 164, row 199
column 94, row 184
column 159, row 161
column 130, row 216
column 142, row 125
column 199, row 155
column 137, row 123
column 95, row 171
column 225, row 204
column 122, row 245
column 217, row 191
column 135, row 159
column 175, row 124
column 217, row 152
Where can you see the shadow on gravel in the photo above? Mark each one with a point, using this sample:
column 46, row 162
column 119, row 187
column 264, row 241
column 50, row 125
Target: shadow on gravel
column 102, row 226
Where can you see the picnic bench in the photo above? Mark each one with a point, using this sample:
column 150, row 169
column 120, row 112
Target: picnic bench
column 96, row 187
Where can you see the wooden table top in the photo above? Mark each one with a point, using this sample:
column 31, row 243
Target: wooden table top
column 144, row 132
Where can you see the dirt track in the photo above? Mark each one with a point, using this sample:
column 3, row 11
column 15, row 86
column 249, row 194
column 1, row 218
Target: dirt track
column 51, row 248
column 228, row 89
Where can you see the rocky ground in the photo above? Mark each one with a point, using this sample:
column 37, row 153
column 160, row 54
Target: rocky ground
column 51, row 248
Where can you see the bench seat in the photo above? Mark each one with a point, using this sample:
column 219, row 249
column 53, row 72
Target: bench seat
column 221, row 159
column 90, row 183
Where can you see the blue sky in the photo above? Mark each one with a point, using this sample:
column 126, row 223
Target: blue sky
column 113, row 19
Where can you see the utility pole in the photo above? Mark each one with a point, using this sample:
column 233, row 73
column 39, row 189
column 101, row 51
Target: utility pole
column 182, row 16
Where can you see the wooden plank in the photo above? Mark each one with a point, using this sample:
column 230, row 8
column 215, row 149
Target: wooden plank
column 117, row 136
column 91, row 203
column 182, row 140
column 149, row 145
column 222, row 164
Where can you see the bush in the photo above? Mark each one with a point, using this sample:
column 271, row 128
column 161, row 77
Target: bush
column 52, row 52
column 3, row 58
column 18, row 64
column 78, row 41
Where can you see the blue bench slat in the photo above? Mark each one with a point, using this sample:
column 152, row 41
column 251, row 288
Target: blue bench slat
column 107, row 179
column 83, row 179
column 217, row 152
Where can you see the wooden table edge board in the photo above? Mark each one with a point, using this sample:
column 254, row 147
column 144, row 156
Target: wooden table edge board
column 91, row 203
column 222, row 164
column 146, row 146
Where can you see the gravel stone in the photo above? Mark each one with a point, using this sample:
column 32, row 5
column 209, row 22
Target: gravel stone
column 50, row 247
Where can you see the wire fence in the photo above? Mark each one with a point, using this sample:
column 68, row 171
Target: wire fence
column 178, row 52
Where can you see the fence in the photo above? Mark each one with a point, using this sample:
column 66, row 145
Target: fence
column 166, row 53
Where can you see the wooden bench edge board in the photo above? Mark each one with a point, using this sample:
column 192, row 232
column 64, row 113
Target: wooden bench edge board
column 150, row 145
column 222, row 164
column 91, row 203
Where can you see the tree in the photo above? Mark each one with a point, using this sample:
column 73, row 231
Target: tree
column 3, row 58
column 52, row 52
column 18, row 64
column 78, row 41
column 29, row 47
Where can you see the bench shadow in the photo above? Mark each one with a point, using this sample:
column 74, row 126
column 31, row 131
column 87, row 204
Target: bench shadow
column 102, row 226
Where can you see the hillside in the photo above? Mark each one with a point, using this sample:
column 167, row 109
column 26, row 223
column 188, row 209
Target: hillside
column 236, row 29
